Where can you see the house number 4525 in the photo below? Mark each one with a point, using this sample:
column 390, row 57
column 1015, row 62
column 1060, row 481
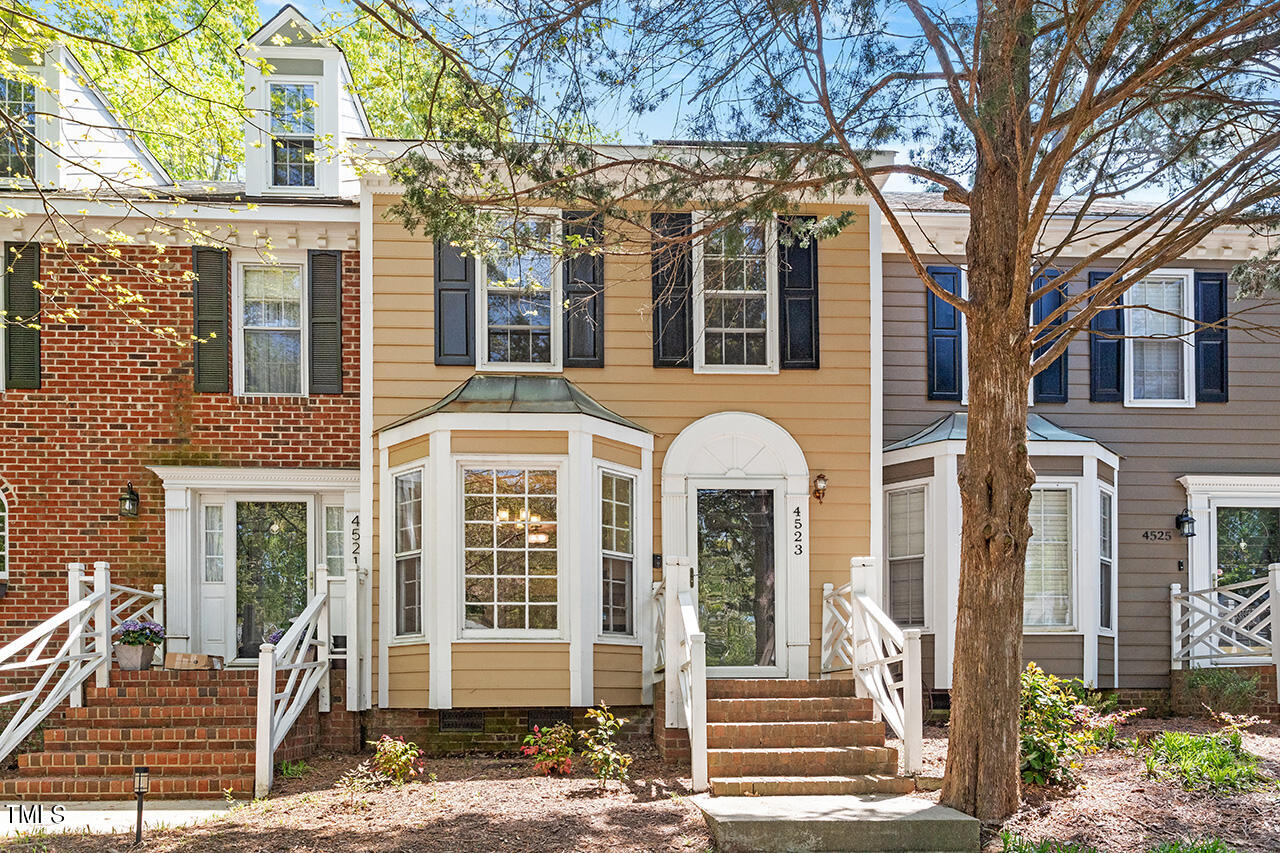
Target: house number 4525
column 797, row 532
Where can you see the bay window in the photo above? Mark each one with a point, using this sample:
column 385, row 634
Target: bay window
column 1106, row 560
column 1160, row 352
column 1047, row 596
column 617, row 522
column 408, row 553
column 906, row 551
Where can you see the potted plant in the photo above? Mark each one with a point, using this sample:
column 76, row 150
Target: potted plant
column 136, row 641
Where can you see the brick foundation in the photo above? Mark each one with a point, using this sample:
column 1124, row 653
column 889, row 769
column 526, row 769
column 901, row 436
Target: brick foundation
column 672, row 744
column 1190, row 702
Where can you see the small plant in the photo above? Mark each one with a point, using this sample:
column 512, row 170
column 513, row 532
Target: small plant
column 397, row 759
column 294, row 769
column 551, row 748
column 1223, row 688
column 1047, row 729
column 600, row 746
column 361, row 780
column 1017, row 844
column 1209, row 845
column 139, row 632
column 1214, row 762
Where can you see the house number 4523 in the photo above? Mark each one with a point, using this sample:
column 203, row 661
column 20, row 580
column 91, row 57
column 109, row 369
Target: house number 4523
column 797, row 532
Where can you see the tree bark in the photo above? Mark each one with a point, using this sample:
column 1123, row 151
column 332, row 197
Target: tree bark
column 982, row 776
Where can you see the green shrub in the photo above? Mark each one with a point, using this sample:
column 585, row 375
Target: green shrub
column 1223, row 688
column 600, row 746
column 551, row 748
column 1214, row 762
column 1209, row 845
column 397, row 759
column 1018, row 844
column 294, row 769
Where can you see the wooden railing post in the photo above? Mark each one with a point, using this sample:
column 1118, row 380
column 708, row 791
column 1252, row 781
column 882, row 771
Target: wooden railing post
column 75, row 577
column 1273, row 576
column 102, row 621
column 1175, row 623
column 829, row 638
column 698, row 710
column 264, row 757
column 912, row 703
column 322, row 636
column 671, row 571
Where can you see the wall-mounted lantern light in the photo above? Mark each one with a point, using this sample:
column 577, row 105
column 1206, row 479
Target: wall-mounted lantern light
column 1186, row 524
column 141, row 785
column 820, row 487
column 129, row 502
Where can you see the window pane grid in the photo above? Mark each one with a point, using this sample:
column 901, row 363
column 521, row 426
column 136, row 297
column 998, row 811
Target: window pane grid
column 18, row 153
column 519, row 284
column 293, row 128
column 1105, row 558
column 334, row 528
column 408, row 552
column 214, row 551
column 1158, row 363
column 906, row 556
column 1047, row 598
column 272, row 316
column 617, row 518
column 735, row 295
column 510, row 556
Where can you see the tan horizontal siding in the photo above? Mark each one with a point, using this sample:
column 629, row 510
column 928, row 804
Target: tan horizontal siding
column 510, row 675
column 519, row 443
column 617, row 674
column 409, row 451
column 408, row 669
column 616, row 452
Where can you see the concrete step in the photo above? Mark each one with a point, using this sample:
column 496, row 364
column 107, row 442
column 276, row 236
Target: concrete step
column 754, row 735
column 780, row 710
column 856, row 824
column 63, row 788
column 802, row 761
column 777, row 688
column 776, row 786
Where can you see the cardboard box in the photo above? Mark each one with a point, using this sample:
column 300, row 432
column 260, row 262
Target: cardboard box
column 184, row 660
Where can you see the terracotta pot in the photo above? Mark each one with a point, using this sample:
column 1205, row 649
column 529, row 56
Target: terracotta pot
column 135, row 657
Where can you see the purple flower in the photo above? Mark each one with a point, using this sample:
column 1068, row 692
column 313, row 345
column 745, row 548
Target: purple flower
column 139, row 632
column 276, row 636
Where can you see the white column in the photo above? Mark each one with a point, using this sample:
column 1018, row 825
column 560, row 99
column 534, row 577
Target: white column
column 675, row 542
column 1088, row 569
column 643, row 571
column 386, row 569
column 445, row 567
column 102, row 621
column 1175, row 626
column 264, row 755
column 796, row 578
column 75, row 575
column 949, row 518
column 356, row 583
column 580, row 582
column 179, row 579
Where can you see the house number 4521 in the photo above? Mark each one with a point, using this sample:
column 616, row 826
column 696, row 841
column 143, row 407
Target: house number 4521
column 797, row 532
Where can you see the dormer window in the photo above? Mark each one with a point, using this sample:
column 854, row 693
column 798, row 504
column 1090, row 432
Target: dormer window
column 293, row 134
column 18, row 151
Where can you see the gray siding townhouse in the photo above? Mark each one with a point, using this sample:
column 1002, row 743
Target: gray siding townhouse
column 1137, row 442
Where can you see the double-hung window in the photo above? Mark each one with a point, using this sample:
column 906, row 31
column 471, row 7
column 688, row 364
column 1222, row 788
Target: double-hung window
column 617, row 543
column 520, row 297
column 408, row 553
column 1106, row 560
column 272, row 308
column 1047, row 597
column 511, row 552
column 735, row 285
column 905, row 518
column 1160, row 351
column 18, row 151
column 293, row 134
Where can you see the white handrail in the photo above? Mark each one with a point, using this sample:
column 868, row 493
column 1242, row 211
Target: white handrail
column 85, row 650
column 859, row 637
column 1226, row 624
column 692, row 676
column 279, row 710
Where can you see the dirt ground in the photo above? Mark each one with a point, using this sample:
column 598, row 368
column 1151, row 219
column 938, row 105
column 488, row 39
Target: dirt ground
column 1119, row 809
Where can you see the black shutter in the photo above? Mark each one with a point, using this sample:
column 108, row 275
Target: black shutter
column 1106, row 351
column 943, row 341
column 325, row 309
column 672, row 272
column 22, row 301
column 584, row 296
column 1211, row 343
column 455, row 305
column 798, row 301
column 212, row 363
column 1050, row 384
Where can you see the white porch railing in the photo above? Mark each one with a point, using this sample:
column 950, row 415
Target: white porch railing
column 278, row 710
column 658, row 633
column 1234, row 624
column 686, row 665
column 860, row 638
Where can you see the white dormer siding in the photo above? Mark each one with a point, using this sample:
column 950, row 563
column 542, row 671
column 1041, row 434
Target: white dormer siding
column 302, row 112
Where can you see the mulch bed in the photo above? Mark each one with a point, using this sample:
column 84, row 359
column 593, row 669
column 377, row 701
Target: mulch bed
column 1117, row 808
column 477, row 805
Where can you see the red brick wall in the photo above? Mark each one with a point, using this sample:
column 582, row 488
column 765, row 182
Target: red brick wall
column 116, row 398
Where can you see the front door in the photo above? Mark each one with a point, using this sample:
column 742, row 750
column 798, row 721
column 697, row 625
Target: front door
column 736, row 579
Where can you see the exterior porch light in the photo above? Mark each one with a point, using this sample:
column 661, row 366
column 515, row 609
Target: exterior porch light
column 141, row 785
column 820, row 487
column 129, row 502
column 1186, row 524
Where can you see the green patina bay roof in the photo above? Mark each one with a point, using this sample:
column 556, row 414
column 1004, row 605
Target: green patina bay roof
column 519, row 394
column 955, row 427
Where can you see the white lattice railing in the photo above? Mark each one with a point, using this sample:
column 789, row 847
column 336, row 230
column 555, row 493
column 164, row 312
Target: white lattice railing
column 686, row 664
column 1226, row 625
column 658, row 633
column 860, row 638
column 279, row 709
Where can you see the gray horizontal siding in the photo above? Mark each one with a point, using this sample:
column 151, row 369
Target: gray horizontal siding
column 1156, row 447
column 1106, row 662
column 1061, row 655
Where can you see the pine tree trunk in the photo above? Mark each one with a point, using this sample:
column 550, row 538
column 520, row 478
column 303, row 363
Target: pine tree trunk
column 982, row 776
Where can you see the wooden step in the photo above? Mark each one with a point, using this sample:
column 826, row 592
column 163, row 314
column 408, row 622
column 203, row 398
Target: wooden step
column 778, row 688
column 779, row 710
column 784, row 786
column 803, row 761
column 754, row 735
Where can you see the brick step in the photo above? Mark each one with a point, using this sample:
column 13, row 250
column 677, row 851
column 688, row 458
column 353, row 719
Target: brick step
column 248, row 675
column 159, row 716
column 216, row 738
column 168, row 762
column 753, row 735
column 784, row 786
column 832, row 709
column 173, row 694
column 778, row 688
column 71, row 788
column 803, row 761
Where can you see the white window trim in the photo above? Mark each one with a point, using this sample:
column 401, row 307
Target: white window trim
column 1074, row 525
column 320, row 121
column 926, row 484
column 771, row 318
column 282, row 259
column 599, row 469
column 1110, row 490
column 419, row 636
column 1188, row 400
column 565, row 531
column 556, row 365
